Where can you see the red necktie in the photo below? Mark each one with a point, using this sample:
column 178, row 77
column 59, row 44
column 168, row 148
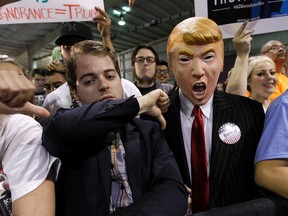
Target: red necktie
column 200, row 180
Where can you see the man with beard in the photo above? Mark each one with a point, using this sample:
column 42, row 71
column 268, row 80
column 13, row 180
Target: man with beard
column 144, row 61
column 276, row 51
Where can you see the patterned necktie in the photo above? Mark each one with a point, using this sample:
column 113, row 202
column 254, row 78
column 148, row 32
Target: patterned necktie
column 200, row 180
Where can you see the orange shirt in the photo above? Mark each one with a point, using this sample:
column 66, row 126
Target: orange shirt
column 281, row 86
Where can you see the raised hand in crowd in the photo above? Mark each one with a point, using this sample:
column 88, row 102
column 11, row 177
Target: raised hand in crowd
column 103, row 22
column 237, row 83
column 131, row 3
column 56, row 65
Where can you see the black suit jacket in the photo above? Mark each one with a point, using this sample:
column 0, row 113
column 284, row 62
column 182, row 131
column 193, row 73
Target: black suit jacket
column 79, row 138
column 231, row 166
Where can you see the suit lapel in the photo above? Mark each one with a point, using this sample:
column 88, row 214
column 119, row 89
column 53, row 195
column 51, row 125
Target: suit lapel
column 222, row 113
column 131, row 142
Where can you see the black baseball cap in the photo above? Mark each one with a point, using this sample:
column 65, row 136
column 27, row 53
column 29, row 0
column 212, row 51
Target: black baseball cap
column 75, row 29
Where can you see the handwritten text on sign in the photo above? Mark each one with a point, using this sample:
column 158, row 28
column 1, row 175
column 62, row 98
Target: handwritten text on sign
column 48, row 11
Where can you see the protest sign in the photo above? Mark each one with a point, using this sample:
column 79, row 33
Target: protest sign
column 39, row 11
column 264, row 15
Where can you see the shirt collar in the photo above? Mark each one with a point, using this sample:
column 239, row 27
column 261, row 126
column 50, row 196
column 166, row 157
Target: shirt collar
column 186, row 106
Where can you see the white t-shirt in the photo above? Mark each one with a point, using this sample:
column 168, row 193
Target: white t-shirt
column 25, row 161
column 60, row 98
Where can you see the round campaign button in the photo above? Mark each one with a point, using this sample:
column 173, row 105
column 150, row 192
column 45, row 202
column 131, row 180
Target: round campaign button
column 229, row 133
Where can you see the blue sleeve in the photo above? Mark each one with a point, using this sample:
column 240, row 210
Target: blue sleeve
column 274, row 140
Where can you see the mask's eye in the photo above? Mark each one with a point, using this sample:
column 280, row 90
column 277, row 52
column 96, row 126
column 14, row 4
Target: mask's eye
column 209, row 57
column 184, row 59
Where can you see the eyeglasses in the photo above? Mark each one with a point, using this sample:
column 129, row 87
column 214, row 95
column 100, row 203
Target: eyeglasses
column 161, row 71
column 276, row 48
column 141, row 60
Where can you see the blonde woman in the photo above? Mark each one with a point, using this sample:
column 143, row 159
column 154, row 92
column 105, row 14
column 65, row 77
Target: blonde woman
column 261, row 79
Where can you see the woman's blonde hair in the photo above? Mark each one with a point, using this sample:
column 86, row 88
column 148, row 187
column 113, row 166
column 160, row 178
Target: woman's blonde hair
column 254, row 61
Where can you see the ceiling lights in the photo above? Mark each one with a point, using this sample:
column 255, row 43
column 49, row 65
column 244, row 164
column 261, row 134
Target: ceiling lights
column 121, row 22
column 120, row 13
column 124, row 10
column 116, row 12
column 3, row 56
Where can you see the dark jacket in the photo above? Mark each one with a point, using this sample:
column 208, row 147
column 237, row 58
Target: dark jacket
column 79, row 138
column 231, row 165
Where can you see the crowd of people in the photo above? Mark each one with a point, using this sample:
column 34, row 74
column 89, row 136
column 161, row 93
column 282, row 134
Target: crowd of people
column 80, row 140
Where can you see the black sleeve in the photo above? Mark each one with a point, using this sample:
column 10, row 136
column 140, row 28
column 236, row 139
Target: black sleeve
column 74, row 130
